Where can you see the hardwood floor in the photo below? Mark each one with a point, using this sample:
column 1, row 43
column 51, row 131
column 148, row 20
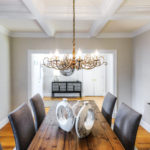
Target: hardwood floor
column 8, row 143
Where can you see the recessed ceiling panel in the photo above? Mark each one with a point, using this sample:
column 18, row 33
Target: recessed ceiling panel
column 67, row 26
column 133, row 6
column 12, row 6
column 65, row 6
column 20, row 25
column 121, row 26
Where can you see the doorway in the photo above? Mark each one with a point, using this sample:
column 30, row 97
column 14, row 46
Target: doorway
column 96, row 82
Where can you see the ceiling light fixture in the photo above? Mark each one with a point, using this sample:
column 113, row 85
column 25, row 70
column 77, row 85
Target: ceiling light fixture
column 79, row 61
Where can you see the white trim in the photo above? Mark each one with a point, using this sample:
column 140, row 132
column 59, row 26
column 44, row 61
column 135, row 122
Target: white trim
column 145, row 125
column 28, row 34
column 114, row 115
column 4, row 30
column 115, row 35
column 3, row 122
column 141, row 30
column 29, row 74
column 69, row 35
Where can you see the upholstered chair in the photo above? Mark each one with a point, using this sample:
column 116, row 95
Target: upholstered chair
column 126, row 126
column 108, row 107
column 1, row 147
column 38, row 109
column 23, row 127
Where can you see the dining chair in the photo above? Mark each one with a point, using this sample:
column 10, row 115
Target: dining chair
column 38, row 109
column 1, row 147
column 126, row 126
column 108, row 106
column 22, row 124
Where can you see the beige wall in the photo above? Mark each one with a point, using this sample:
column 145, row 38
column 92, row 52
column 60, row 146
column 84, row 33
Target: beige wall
column 4, row 77
column 20, row 46
column 141, row 72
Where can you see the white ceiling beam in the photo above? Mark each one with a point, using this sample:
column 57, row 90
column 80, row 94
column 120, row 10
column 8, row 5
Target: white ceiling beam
column 141, row 30
column 39, row 18
column 108, row 8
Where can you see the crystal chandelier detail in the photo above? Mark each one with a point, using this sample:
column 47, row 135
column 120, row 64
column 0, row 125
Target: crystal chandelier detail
column 75, row 61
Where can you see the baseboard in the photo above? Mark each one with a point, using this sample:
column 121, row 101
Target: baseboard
column 3, row 122
column 114, row 115
column 145, row 125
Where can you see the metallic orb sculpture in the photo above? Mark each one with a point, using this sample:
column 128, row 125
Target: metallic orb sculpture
column 65, row 116
column 67, row 72
column 85, row 120
column 76, row 107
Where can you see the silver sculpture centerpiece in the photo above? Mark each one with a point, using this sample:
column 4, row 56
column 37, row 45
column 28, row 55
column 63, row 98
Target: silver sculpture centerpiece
column 76, row 107
column 85, row 120
column 81, row 114
column 65, row 116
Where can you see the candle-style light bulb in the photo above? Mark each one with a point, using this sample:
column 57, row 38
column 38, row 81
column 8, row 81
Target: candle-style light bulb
column 96, row 53
column 57, row 53
column 79, row 53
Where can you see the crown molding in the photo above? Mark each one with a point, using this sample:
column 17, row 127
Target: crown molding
column 70, row 35
column 115, row 35
column 4, row 31
column 28, row 35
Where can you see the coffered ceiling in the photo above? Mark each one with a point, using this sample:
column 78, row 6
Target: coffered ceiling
column 94, row 18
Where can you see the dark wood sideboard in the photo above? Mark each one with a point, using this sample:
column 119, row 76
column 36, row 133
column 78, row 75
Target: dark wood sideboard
column 66, row 87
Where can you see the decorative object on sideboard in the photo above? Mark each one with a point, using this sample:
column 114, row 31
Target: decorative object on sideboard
column 67, row 72
column 76, row 107
column 85, row 120
column 65, row 115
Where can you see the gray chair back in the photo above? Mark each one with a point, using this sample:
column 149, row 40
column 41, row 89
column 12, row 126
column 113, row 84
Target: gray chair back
column 38, row 109
column 108, row 107
column 23, row 127
column 126, row 126
column 1, row 147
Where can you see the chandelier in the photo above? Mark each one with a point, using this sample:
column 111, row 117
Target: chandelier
column 79, row 61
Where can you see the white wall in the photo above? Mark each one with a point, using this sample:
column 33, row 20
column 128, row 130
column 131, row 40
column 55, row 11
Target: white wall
column 4, row 77
column 141, row 72
column 20, row 47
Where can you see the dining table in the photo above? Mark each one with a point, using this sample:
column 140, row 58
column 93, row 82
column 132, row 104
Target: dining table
column 51, row 137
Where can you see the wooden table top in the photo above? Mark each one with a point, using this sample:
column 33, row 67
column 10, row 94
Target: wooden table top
column 51, row 137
